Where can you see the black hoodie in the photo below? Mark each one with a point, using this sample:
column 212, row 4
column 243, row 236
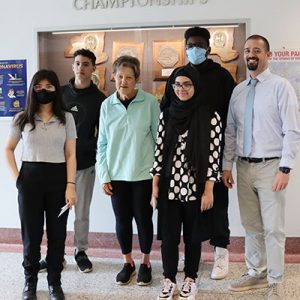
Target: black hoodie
column 84, row 104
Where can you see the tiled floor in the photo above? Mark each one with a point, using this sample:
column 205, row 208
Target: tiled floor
column 100, row 285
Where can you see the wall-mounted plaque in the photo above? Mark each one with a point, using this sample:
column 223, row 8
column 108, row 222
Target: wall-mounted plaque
column 232, row 68
column 221, row 43
column 93, row 41
column 135, row 49
column 167, row 56
column 98, row 77
column 158, row 90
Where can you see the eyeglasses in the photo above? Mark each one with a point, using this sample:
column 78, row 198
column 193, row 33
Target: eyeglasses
column 185, row 86
column 49, row 88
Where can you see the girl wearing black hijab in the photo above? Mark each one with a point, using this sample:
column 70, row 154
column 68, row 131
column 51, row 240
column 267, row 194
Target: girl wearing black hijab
column 186, row 165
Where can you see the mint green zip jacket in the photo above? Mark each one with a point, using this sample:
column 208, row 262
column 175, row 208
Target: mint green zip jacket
column 126, row 138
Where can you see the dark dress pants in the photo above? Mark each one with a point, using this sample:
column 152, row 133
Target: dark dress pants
column 41, row 194
column 220, row 225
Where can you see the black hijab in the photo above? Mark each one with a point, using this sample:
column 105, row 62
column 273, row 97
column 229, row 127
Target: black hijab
column 192, row 115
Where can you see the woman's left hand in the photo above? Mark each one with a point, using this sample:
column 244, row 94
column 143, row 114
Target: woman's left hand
column 71, row 197
column 207, row 201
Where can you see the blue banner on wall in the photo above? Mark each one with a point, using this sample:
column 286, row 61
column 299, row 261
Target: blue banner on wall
column 13, row 86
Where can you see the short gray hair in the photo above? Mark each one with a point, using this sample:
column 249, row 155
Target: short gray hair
column 127, row 61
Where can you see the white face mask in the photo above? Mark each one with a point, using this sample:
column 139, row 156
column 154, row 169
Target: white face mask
column 196, row 55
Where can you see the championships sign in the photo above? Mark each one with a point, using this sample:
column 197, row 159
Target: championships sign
column 106, row 4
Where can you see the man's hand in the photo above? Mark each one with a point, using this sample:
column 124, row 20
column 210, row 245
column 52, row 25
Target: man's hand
column 280, row 182
column 227, row 179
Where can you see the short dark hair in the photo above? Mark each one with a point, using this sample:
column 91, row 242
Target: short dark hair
column 127, row 61
column 86, row 53
column 259, row 37
column 197, row 31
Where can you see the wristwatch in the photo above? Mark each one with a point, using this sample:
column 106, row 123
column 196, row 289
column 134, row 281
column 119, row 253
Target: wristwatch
column 285, row 170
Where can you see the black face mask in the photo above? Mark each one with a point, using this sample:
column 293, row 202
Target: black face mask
column 45, row 97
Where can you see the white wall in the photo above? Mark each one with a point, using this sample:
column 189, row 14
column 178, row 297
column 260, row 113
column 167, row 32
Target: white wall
column 20, row 20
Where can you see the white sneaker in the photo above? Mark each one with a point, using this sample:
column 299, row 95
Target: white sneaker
column 276, row 291
column 220, row 268
column 168, row 290
column 188, row 290
column 247, row 283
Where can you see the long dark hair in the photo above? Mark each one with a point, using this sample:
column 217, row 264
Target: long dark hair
column 31, row 107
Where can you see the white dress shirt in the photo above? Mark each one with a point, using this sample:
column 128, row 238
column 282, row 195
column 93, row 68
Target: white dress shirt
column 276, row 121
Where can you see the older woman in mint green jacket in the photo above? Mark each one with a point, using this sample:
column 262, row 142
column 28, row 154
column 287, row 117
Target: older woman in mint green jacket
column 127, row 134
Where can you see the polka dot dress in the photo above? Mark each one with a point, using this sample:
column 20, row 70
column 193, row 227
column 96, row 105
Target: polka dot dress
column 183, row 184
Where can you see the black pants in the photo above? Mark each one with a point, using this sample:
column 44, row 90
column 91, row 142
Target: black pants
column 220, row 224
column 180, row 214
column 42, row 193
column 132, row 200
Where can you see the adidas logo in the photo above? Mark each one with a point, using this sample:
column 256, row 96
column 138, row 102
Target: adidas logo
column 74, row 108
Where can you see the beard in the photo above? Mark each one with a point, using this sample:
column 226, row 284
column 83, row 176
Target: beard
column 252, row 66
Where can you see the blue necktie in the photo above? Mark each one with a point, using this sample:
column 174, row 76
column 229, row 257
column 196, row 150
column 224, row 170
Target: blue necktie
column 249, row 118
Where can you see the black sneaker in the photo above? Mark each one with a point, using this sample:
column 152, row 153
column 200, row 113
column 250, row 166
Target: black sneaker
column 125, row 275
column 43, row 265
column 56, row 292
column 144, row 275
column 29, row 291
column 83, row 262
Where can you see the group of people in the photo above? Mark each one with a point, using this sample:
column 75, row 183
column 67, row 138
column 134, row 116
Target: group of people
column 177, row 157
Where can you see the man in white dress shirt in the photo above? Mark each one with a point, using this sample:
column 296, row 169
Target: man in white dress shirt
column 263, row 133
